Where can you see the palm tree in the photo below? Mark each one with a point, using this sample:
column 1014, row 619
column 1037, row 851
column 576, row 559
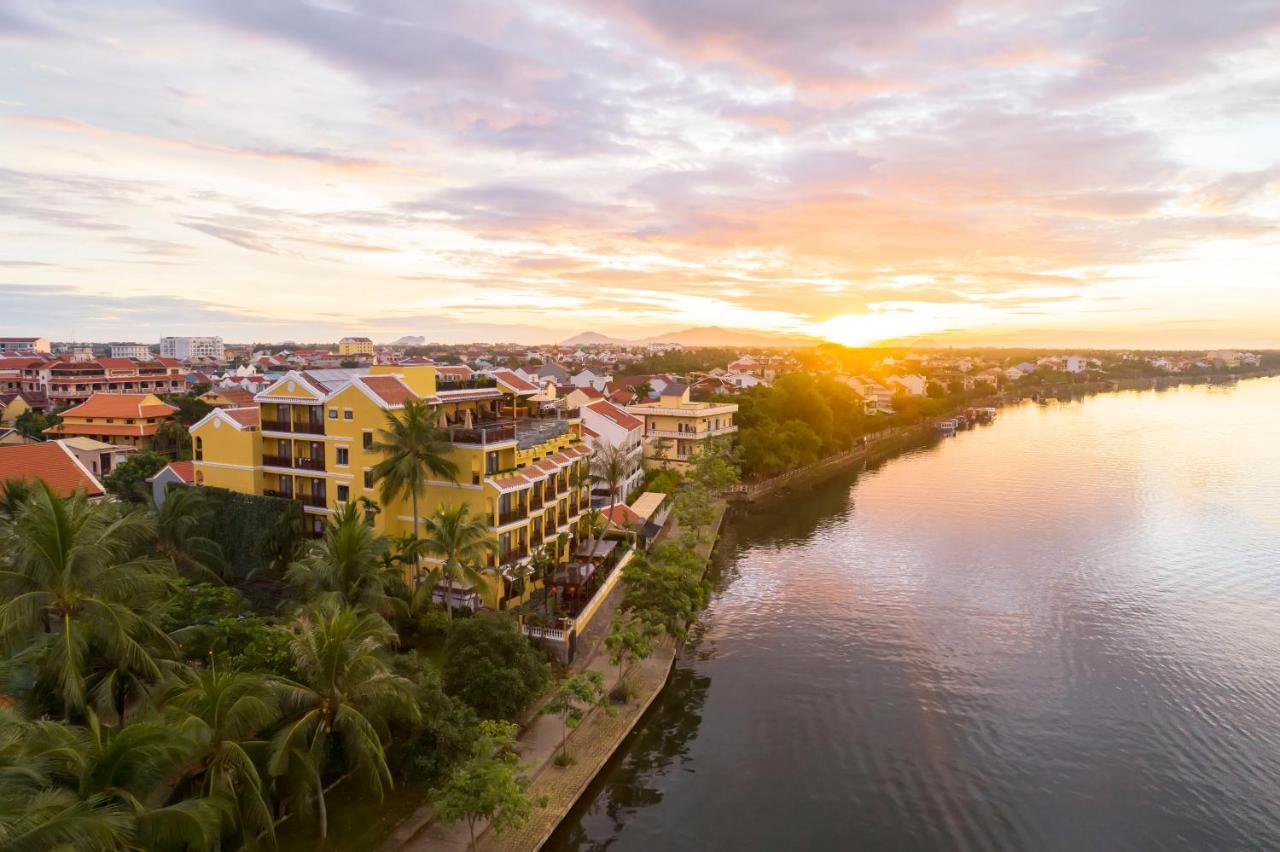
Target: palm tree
column 461, row 543
column 182, row 526
column 350, row 564
column 608, row 466
column 345, row 692
column 13, row 493
column 73, row 587
column 415, row 448
column 223, row 712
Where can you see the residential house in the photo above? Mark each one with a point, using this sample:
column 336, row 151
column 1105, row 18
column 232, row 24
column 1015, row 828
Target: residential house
column 25, row 344
column 1075, row 364
column 230, row 397
column 51, row 462
column 910, row 384
column 123, row 419
column 12, row 406
column 312, row 439
column 677, row 428
column 579, row 397
column 100, row 457
column 138, row 351
column 589, row 379
column 174, row 473
column 877, row 399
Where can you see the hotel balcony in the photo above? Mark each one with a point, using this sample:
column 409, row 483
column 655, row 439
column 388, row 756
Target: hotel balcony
column 300, row 427
column 515, row 554
column 298, row 463
column 525, row 431
column 510, row 516
column 315, row 502
column 690, row 436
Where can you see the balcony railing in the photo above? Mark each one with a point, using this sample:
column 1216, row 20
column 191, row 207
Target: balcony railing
column 510, row 516
column 692, row 436
column 514, row 554
column 482, row 435
column 300, row 427
column 535, row 500
column 300, row 463
column 312, row 500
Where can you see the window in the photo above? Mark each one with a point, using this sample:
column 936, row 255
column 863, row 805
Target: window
column 491, row 463
column 348, row 414
column 367, row 441
column 344, row 493
column 343, row 456
column 368, row 480
column 199, row 449
column 333, row 414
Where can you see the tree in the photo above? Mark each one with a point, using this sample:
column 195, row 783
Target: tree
column 415, row 448
column 629, row 640
column 172, row 439
column 571, row 702
column 183, row 524
column 461, row 543
column 32, row 424
column 488, row 786
column 223, row 712
column 492, row 666
column 609, row 466
column 664, row 588
column 349, row 565
column 74, row 590
column 341, row 702
column 128, row 480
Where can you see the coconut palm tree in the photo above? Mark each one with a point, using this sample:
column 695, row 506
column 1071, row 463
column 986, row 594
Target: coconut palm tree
column 416, row 448
column 609, row 467
column 461, row 543
column 182, row 527
column 73, row 588
column 349, row 564
column 344, row 697
column 223, row 712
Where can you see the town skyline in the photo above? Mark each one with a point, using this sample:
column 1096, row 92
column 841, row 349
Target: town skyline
column 978, row 173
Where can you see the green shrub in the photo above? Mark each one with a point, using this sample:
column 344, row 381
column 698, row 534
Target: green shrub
column 493, row 667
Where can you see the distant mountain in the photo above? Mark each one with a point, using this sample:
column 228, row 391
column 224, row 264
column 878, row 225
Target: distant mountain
column 591, row 338
column 711, row 335
column 410, row 340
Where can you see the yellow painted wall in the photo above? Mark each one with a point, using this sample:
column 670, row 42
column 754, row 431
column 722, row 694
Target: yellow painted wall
column 15, row 409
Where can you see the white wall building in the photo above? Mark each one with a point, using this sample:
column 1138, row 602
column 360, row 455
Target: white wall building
column 140, row 351
column 1075, row 364
column 605, row 423
column 183, row 348
column 588, row 379
column 25, row 344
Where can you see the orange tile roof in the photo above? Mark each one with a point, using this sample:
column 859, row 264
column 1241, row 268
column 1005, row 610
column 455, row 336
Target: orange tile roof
column 51, row 462
column 389, row 389
column 124, row 405
column 238, row 397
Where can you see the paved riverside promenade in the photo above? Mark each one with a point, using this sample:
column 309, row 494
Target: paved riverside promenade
column 591, row 745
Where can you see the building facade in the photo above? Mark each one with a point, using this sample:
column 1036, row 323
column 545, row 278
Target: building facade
column 312, row 436
column 676, row 429
column 25, row 344
column 120, row 419
column 355, row 346
column 606, row 423
column 183, row 348
column 140, row 351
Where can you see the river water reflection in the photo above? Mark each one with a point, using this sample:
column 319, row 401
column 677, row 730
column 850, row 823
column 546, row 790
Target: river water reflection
column 1057, row 632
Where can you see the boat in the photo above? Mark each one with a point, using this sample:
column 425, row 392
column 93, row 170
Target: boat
column 947, row 427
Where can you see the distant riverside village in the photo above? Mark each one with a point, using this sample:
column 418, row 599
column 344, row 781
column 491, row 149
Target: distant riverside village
column 462, row 549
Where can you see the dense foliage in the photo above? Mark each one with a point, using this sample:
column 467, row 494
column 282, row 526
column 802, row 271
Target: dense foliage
column 490, row 665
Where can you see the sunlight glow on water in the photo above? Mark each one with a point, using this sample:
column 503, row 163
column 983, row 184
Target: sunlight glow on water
column 1057, row 632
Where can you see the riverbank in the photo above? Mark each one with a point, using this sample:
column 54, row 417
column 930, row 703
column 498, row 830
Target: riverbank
column 591, row 745
column 884, row 445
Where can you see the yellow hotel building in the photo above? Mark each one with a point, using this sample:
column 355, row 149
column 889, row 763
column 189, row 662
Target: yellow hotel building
column 309, row 438
column 676, row 428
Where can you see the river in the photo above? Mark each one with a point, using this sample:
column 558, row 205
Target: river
column 1060, row 631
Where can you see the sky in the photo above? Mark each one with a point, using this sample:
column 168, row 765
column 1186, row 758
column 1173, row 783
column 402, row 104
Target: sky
column 1050, row 173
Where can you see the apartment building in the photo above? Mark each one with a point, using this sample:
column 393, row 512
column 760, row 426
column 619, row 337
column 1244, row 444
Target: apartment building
column 355, row 346
column 311, row 437
column 183, row 348
column 676, row 428
column 25, row 344
column 140, row 351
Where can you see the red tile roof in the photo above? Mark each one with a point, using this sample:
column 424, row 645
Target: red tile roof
column 621, row 516
column 185, row 470
column 511, row 380
column 51, row 462
column 590, row 393
column 616, row 414
column 124, row 405
column 238, row 397
column 117, row 363
column 92, row 430
column 622, row 397
column 250, row 416
column 389, row 389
